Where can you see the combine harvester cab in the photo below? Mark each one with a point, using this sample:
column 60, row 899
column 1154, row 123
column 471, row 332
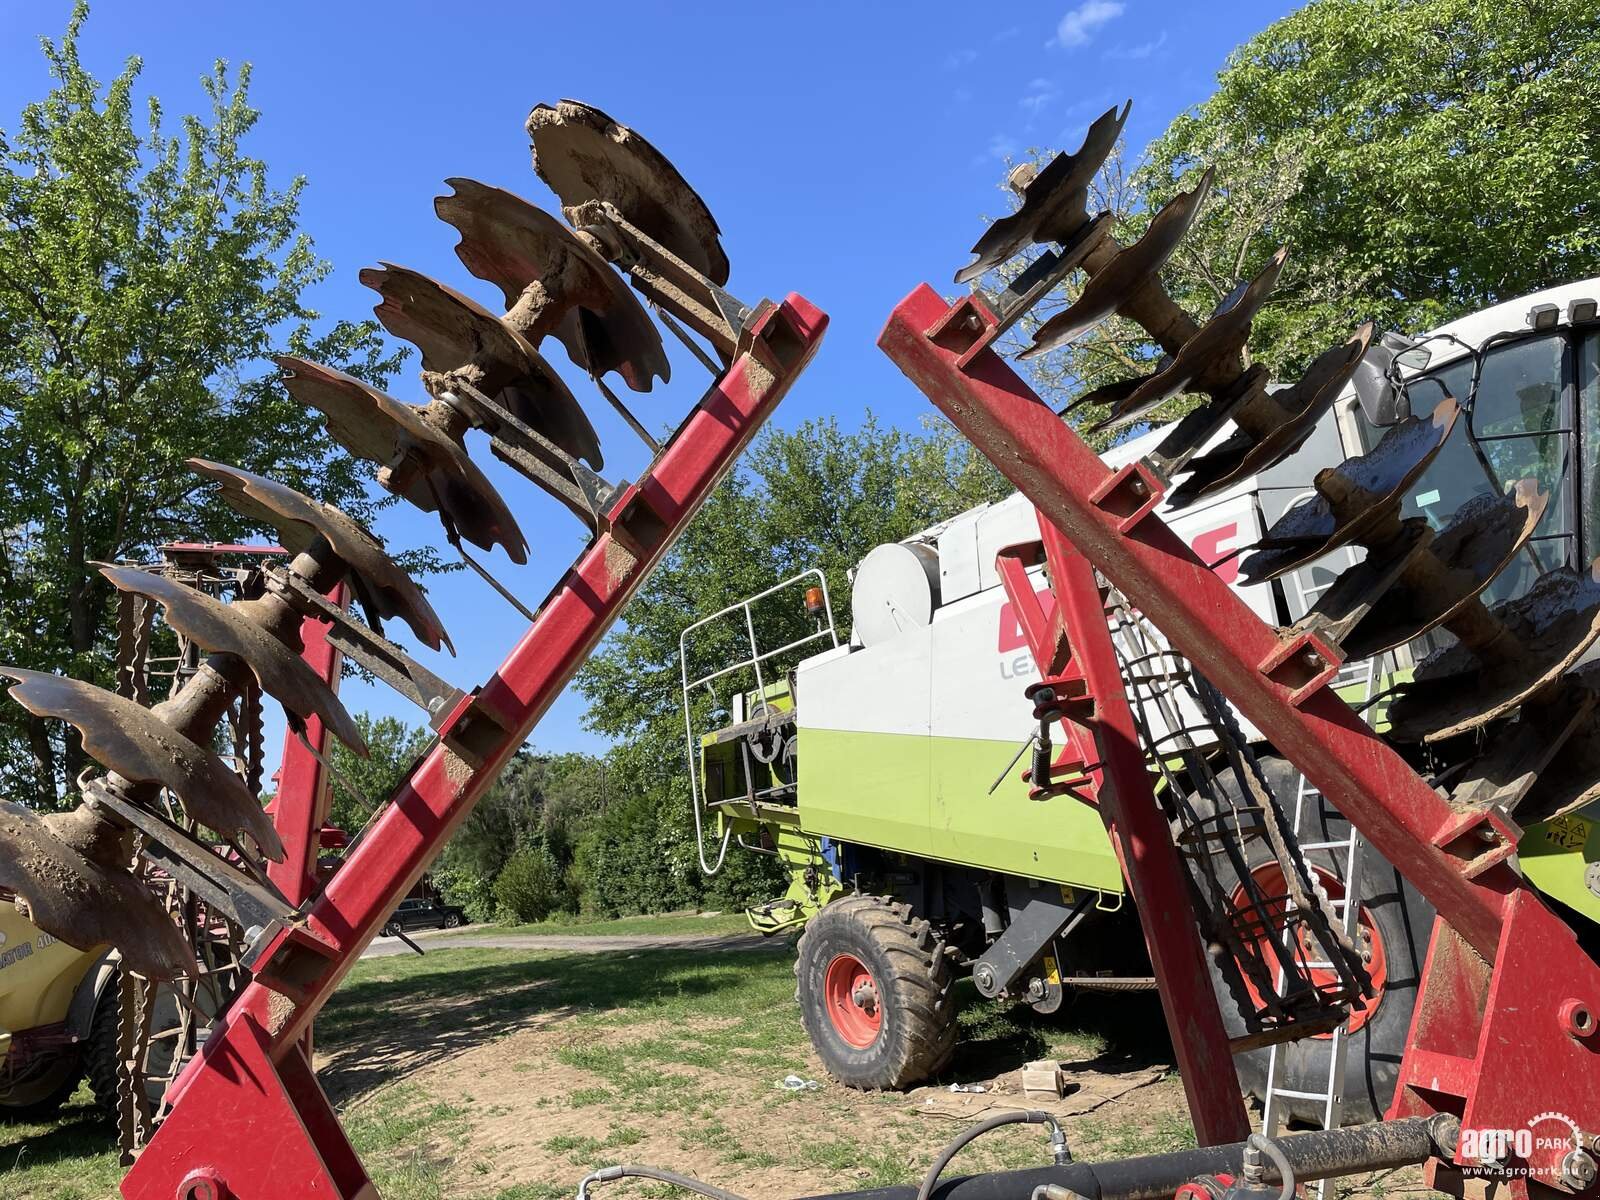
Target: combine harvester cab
column 885, row 768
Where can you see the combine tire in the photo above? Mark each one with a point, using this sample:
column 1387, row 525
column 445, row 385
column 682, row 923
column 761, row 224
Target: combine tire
column 100, row 1050
column 1395, row 923
column 875, row 993
column 42, row 1087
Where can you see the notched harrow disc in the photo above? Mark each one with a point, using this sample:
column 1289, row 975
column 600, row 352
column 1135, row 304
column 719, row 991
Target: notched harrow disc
column 1219, row 341
column 87, row 901
column 418, row 461
column 584, row 155
column 554, row 283
column 1354, row 496
column 1274, row 425
column 1365, row 588
column 224, row 629
column 1130, row 270
column 124, row 736
column 1054, row 202
column 383, row 587
column 1482, row 538
column 462, row 340
column 1542, row 634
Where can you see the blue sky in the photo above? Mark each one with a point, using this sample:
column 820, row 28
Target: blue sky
column 849, row 151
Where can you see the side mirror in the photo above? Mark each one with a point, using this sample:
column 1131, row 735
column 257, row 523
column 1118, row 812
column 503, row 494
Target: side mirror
column 1377, row 379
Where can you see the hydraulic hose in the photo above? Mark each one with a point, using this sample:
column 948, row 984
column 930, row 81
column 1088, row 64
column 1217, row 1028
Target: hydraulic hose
column 1058, row 1142
column 606, row 1174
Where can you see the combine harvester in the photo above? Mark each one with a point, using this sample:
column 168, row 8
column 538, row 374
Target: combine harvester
column 1504, row 1031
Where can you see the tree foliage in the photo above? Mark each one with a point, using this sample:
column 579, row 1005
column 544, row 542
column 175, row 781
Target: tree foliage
column 1421, row 158
column 819, row 496
column 361, row 785
column 148, row 273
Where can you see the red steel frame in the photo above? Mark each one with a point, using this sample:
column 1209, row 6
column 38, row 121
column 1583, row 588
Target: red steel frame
column 1073, row 649
column 1505, row 1024
column 249, row 1121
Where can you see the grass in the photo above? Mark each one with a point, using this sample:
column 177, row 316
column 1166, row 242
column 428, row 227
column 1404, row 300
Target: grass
column 666, row 924
column 669, row 1043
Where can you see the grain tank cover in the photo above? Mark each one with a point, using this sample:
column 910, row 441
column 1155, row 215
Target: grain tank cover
column 896, row 589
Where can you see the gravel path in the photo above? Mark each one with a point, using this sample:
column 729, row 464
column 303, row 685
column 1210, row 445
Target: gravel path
column 440, row 939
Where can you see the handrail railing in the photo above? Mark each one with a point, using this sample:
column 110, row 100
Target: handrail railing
column 753, row 662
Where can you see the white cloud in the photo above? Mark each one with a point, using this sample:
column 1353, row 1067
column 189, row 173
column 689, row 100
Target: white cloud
column 1040, row 93
column 1079, row 24
column 1142, row 50
column 957, row 59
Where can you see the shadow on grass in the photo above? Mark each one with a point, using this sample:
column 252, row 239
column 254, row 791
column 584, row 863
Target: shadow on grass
column 79, row 1134
column 1113, row 1033
column 397, row 1015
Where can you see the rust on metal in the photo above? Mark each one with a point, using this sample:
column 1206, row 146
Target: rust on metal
column 1540, row 636
column 1354, row 496
column 1219, row 341
column 87, row 901
column 583, row 155
column 383, row 587
column 123, row 736
column 1519, row 760
column 554, row 283
column 225, row 629
column 1480, row 541
column 1125, row 274
column 1355, row 595
column 417, row 461
column 1054, row 201
column 1275, row 424
column 462, row 340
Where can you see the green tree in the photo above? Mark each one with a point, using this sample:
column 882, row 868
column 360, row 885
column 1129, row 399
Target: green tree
column 1421, row 159
column 815, row 496
column 530, row 887
column 393, row 747
column 146, row 277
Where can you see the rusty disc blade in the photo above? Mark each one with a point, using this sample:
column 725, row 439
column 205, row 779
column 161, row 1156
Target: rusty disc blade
column 1480, row 541
column 1461, row 688
column 1276, row 425
column 579, row 298
column 1124, row 275
column 124, row 736
column 1359, row 588
column 1570, row 778
column 384, row 588
column 1221, row 338
column 459, row 337
column 224, row 629
column 419, row 462
column 583, row 155
column 81, row 901
column 1054, row 203
column 1198, row 426
column 1353, row 496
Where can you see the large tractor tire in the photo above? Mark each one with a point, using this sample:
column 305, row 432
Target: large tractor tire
column 875, row 993
column 1395, row 923
column 37, row 1091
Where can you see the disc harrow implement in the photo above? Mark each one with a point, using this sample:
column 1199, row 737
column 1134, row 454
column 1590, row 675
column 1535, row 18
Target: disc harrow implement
column 1412, row 578
column 481, row 371
column 1495, row 728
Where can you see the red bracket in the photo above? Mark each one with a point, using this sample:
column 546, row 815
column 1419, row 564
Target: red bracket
column 1073, row 650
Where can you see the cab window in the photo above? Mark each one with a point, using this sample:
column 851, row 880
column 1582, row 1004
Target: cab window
column 1522, row 431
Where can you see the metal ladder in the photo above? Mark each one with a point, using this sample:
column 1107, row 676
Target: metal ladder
column 1348, row 909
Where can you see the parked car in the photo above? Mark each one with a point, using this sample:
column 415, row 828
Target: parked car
column 417, row 913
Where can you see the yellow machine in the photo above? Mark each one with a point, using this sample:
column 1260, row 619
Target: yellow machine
column 58, row 1011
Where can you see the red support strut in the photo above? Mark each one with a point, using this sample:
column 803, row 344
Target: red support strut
column 1073, row 650
column 249, row 1121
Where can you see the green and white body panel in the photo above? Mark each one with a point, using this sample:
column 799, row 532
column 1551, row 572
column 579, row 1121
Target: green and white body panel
column 902, row 738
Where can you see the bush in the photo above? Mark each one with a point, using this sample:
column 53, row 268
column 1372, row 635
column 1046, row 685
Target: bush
column 531, row 886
